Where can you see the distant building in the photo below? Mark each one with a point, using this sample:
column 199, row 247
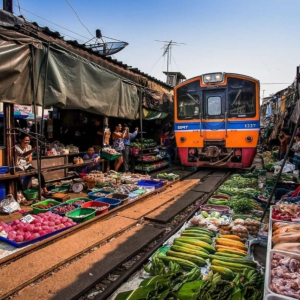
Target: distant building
column 174, row 78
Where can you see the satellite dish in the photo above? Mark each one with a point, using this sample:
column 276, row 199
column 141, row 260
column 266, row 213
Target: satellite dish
column 107, row 48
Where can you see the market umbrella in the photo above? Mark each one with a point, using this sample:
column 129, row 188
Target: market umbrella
column 17, row 114
column 31, row 116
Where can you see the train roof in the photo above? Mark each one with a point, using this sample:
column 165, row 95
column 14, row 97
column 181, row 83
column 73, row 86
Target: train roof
column 182, row 83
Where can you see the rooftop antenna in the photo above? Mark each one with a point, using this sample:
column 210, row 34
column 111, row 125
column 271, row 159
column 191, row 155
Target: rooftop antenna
column 168, row 47
column 106, row 48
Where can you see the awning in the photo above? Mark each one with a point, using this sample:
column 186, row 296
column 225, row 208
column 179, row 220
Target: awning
column 150, row 114
column 72, row 81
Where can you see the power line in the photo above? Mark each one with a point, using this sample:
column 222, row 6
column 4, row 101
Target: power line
column 79, row 18
column 155, row 63
column 52, row 22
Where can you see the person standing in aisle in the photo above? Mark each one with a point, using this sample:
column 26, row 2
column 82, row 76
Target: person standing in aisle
column 118, row 145
column 97, row 135
column 284, row 139
column 127, row 139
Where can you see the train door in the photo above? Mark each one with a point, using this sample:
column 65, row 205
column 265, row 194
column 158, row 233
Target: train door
column 214, row 108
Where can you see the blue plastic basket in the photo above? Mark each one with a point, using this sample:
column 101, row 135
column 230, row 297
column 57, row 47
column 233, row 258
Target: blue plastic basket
column 156, row 184
column 64, row 204
column 4, row 169
column 92, row 197
column 26, row 243
column 113, row 202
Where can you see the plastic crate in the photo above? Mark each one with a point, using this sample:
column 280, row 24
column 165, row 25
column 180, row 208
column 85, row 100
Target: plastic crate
column 139, row 192
column 64, row 204
column 75, row 214
column 108, row 156
column 46, row 202
column 76, row 199
column 156, row 184
column 4, row 169
column 93, row 204
column 123, row 198
column 92, row 197
column 112, row 202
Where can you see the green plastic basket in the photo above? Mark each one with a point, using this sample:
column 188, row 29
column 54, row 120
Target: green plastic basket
column 60, row 190
column 108, row 156
column 76, row 199
column 76, row 213
column 30, row 194
column 39, row 210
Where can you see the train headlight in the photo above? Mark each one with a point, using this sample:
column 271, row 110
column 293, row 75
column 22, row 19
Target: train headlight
column 182, row 139
column 249, row 138
column 207, row 78
column 213, row 77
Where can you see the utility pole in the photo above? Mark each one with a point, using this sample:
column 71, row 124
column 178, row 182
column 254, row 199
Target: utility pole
column 8, row 5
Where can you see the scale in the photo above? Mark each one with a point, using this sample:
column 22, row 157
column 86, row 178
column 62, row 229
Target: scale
column 78, row 185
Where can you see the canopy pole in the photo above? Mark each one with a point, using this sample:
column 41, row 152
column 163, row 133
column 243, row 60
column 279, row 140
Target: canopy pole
column 8, row 111
column 141, row 126
column 36, row 131
column 44, row 92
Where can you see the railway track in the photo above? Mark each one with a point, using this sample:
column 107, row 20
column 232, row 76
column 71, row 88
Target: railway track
column 92, row 260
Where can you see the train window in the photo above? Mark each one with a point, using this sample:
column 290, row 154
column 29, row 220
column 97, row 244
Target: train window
column 241, row 97
column 241, row 103
column 214, row 105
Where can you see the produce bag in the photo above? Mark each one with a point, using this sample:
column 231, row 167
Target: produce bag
column 9, row 205
column 288, row 167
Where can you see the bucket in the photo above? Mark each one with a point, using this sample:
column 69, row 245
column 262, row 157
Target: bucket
column 135, row 151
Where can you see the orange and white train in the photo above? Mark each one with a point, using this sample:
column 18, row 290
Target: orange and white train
column 217, row 120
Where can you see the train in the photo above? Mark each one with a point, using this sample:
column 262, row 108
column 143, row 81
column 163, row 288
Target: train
column 216, row 120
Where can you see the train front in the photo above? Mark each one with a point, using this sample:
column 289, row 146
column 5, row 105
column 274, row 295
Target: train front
column 217, row 120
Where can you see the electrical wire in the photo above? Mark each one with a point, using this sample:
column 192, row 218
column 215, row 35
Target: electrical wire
column 79, row 18
column 162, row 67
column 155, row 64
column 53, row 23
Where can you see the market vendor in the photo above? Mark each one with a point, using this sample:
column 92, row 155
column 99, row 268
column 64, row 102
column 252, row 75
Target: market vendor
column 91, row 155
column 287, row 195
column 24, row 159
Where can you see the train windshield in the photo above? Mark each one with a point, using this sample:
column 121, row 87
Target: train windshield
column 241, row 97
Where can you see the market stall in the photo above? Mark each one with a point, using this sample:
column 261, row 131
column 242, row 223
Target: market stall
column 97, row 193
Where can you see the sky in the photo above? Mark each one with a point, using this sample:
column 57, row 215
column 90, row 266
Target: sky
column 257, row 38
